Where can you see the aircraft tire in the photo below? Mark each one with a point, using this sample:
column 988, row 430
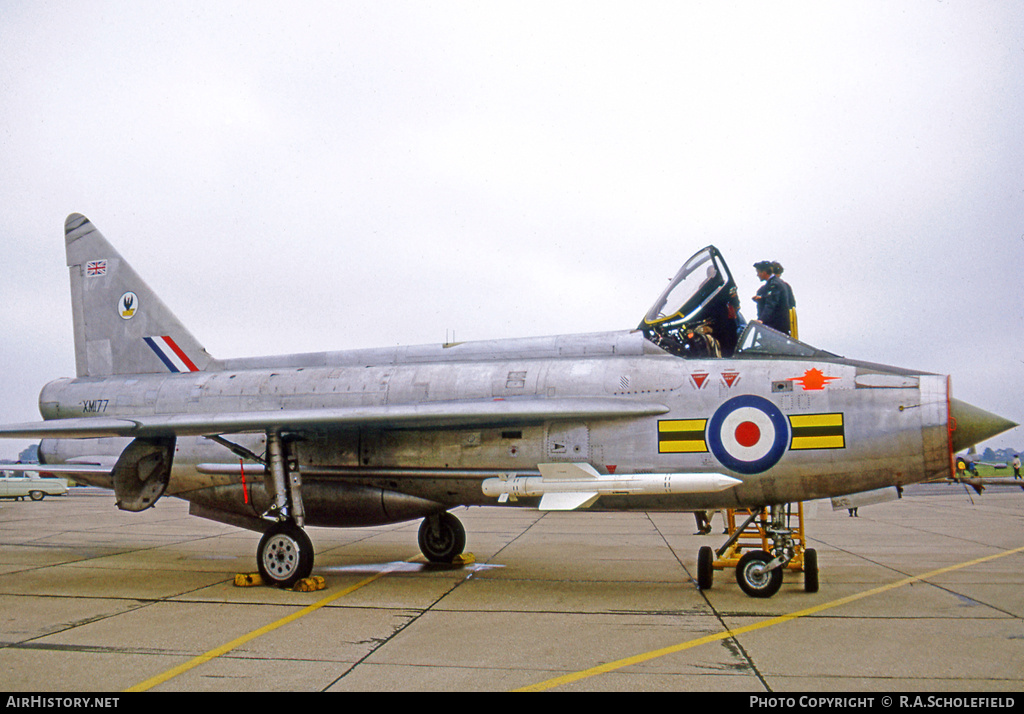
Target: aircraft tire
column 705, row 569
column 442, row 537
column 811, row 570
column 285, row 555
column 753, row 579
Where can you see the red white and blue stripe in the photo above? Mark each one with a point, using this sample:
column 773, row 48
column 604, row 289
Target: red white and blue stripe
column 170, row 354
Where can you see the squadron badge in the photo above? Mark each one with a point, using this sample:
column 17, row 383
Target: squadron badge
column 128, row 305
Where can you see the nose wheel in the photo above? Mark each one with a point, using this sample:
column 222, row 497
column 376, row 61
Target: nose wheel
column 754, row 576
column 284, row 555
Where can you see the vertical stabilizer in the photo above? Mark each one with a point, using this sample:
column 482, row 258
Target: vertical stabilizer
column 121, row 326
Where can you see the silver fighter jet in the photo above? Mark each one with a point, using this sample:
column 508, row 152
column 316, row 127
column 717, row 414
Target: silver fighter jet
column 692, row 410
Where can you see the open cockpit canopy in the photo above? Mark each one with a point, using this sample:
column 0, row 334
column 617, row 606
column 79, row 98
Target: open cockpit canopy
column 699, row 283
column 698, row 315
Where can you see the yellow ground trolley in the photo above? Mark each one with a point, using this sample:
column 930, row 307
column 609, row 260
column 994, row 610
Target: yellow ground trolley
column 753, row 543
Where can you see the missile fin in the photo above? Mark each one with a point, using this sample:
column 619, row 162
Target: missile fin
column 568, row 501
column 567, row 471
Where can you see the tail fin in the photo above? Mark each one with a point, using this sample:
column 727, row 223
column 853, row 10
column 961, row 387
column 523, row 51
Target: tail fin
column 121, row 326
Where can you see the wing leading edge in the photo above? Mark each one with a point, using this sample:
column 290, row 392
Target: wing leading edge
column 429, row 415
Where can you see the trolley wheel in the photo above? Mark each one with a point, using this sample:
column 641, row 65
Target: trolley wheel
column 811, row 570
column 754, row 579
column 705, row 567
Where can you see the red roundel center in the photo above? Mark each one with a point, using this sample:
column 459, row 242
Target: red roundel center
column 747, row 434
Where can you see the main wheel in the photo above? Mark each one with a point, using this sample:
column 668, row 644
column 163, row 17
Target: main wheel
column 285, row 555
column 705, row 569
column 442, row 537
column 811, row 570
column 754, row 579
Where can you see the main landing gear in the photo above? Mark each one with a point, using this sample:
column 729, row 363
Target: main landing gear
column 759, row 570
column 442, row 537
column 285, row 553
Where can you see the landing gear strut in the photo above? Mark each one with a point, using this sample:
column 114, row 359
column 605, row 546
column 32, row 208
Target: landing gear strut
column 285, row 553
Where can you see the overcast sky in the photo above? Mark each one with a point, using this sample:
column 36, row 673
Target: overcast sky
column 352, row 174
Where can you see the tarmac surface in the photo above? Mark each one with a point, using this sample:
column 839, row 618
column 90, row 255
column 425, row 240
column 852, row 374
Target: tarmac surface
column 925, row 594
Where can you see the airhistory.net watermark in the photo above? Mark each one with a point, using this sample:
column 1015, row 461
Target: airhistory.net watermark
column 50, row 702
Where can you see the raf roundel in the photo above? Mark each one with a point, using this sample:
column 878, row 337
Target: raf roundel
column 748, row 434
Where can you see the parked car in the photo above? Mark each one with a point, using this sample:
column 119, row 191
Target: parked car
column 19, row 485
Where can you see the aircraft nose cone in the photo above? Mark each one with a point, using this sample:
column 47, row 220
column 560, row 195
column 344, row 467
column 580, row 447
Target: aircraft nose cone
column 974, row 425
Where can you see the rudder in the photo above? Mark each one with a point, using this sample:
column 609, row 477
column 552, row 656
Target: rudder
column 121, row 326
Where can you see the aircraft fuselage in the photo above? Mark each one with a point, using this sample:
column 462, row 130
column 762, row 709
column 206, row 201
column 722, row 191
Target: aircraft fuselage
column 789, row 429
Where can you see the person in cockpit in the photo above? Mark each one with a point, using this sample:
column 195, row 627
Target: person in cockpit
column 727, row 322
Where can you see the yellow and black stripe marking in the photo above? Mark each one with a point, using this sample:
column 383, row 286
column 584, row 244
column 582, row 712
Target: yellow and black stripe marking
column 808, row 431
column 817, row 431
column 682, row 436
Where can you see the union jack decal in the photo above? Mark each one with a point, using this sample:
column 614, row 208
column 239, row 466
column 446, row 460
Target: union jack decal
column 95, row 268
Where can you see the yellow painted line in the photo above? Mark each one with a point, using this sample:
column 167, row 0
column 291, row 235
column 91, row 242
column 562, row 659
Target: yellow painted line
column 224, row 649
column 654, row 654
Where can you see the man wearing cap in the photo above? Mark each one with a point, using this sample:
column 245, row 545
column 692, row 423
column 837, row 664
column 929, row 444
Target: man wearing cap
column 772, row 298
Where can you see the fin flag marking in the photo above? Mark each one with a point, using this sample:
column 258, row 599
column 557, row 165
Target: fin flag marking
column 170, row 354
